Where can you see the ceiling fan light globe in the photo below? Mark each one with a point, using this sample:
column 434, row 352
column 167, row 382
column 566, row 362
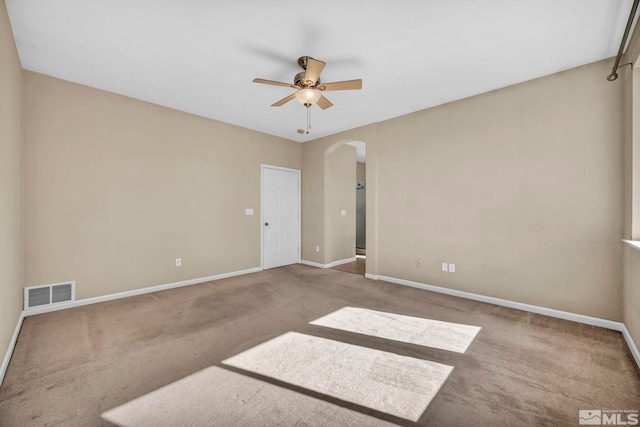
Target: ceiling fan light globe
column 308, row 96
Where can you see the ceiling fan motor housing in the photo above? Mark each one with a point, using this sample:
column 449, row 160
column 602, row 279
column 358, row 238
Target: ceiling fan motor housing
column 299, row 80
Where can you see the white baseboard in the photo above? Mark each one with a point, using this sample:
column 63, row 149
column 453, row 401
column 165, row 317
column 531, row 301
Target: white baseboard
column 580, row 318
column 135, row 292
column 371, row 276
column 632, row 345
column 330, row 265
column 340, row 262
column 312, row 264
column 633, row 243
column 12, row 345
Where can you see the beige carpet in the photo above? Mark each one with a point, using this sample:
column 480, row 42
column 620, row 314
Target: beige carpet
column 522, row 369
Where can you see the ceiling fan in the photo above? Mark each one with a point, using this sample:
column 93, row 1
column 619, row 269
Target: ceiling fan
column 308, row 86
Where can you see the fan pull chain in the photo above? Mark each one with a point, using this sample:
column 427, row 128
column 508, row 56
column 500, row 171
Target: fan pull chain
column 308, row 118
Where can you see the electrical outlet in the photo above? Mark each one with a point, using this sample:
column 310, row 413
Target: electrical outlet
column 418, row 263
column 178, row 262
column 452, row 268
column 445, row 266
column 317, row 248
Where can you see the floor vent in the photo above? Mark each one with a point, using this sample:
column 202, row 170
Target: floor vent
column 40, row 296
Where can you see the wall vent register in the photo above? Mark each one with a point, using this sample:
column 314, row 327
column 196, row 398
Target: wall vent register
column 40, row 296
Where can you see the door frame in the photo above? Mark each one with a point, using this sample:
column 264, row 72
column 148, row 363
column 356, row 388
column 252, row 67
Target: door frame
column 262, row 228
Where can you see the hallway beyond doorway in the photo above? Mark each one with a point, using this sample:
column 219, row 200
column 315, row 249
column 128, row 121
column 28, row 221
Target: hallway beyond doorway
column 356, row 267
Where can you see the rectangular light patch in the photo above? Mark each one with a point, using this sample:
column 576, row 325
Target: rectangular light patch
column 218, row 397
column 397, row 327
column 397, row 385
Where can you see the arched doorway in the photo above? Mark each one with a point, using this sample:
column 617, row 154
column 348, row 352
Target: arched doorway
column 321, row 212
column 345, row 206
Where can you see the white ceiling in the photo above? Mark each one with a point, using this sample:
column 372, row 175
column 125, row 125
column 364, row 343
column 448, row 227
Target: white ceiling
column 200, row 56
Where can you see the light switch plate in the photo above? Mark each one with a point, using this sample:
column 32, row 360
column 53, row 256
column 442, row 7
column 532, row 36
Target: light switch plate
column 343, row 212
column 248, row 211
column 452, row 268
column 445, row 266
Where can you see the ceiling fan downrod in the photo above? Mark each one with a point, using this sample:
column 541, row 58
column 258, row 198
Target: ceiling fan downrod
column 614, row 72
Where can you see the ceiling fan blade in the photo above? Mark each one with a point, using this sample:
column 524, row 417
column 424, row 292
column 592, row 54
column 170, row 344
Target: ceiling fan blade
column 314, row 68
column 324, row 103
column 271, row 82
column 284, row 100
column 345, row 85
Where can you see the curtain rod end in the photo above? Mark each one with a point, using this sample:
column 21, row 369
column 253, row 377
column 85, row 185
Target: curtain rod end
column 613, row 76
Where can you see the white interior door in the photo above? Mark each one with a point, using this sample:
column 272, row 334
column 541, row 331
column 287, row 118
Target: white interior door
column 280, row 216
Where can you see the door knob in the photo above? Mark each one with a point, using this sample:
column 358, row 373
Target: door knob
column 266, row 224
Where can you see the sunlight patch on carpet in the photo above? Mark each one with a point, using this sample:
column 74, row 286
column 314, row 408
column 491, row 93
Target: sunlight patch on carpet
column 218, row 397
column 397, row 327
column 397, row 385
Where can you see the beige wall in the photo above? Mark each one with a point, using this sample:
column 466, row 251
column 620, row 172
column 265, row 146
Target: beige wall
column 10, row 183
column 631, row 295
column 521, row 188
column 627, row 78
column 361, row 171
column 313, row 202
column 631, row 79
column 631, row 259
column 315, row 169
column 116, row 189
column 341, row 194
